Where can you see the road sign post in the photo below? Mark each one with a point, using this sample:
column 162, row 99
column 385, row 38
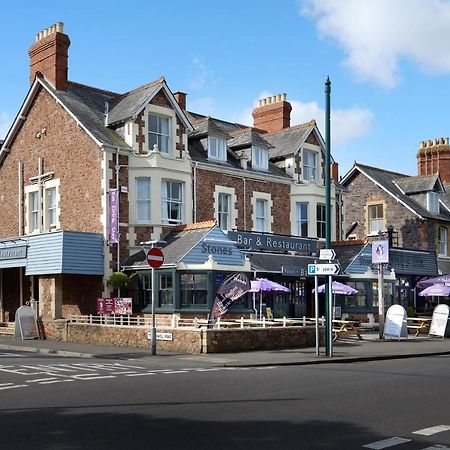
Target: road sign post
column 155, row 259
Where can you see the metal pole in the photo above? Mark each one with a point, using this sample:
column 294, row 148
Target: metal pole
column 153, row 335
column 330, row 316
column 328, row 342
column 380, row 299
column 316, row 312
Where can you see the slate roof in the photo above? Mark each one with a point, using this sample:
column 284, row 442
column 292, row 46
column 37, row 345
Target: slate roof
column 347, row 253
column 178, row 243
column 288, row 141
column 389, row 181
column 126, row 105
column 247, row 138
column 273, row 262
column 414, row 185
column 88, row 105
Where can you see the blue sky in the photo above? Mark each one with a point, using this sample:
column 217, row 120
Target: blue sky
column 388, row 62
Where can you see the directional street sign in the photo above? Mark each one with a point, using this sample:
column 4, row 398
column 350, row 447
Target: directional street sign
column 323, row 269
column 327, row 253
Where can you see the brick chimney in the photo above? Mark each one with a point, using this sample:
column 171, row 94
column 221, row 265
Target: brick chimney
column 434, row 156
column 272, row 114
column 49, row 56
column 180, row 97
column 334, row 172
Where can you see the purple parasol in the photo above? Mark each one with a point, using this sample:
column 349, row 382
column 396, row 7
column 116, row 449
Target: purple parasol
column 338, row 288
column 439, row 290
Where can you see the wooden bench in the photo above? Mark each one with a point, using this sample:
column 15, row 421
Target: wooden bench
column 345, row 328
column 418, row 325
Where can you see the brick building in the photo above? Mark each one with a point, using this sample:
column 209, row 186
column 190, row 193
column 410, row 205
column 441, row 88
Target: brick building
column 412, row 211
column 87, row 175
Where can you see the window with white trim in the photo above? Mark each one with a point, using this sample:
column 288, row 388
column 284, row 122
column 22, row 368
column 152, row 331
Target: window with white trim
column 172, row 202
column 159, row 132
column 309, row 165
column 321, row 221
column 143, row 200
column 301, row 211
column 33, row 205
column 51, row 208
column 217, row 148
column 260, row 158
column 224, row 211
column 375, row 218
column 261, row 215
column 443, row 241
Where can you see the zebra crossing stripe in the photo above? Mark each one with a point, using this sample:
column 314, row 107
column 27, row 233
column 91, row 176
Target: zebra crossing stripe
column 386, row 443
column 432, row 430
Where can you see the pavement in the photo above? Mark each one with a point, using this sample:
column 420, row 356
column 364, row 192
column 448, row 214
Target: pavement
column 346, row 350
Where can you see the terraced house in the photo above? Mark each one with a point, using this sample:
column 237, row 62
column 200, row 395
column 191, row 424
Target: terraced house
column 87, row 175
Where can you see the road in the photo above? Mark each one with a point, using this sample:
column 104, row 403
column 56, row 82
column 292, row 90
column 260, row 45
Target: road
column 50, row 402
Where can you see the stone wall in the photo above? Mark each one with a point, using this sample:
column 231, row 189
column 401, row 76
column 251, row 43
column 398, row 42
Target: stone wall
column 192, row 341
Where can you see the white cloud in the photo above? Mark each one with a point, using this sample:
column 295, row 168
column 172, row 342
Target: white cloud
column 346, row 124
column 205, row 106
column 5, row 124
column 377, row 35
column 199, row 74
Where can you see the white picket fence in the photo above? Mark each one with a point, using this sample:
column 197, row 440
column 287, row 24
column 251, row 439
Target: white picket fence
column 176, row 322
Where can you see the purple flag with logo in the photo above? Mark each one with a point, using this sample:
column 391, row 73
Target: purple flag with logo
column 113, row 216
column 231, row 289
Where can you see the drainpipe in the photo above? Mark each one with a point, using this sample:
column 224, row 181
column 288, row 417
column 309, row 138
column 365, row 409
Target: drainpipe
column 195, row 192
column 20, row 199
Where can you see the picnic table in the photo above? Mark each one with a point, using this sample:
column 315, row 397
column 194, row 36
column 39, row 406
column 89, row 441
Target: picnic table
column 345, row 328
column 419, row 324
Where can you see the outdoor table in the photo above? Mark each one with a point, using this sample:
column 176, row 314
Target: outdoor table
column 420, row 324
column 345, row 327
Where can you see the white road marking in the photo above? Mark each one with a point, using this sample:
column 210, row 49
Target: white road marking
column 213, row 369
column 56, row 381
column 39, row 380
column 432, row 430
column 170, row 372
column 437, row 447
column 385, row 443
column 13, row 386
column 140, row 374
column 91, row 376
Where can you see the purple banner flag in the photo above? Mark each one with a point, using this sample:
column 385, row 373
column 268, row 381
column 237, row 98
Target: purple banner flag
column 113, row 216
column 231, row 289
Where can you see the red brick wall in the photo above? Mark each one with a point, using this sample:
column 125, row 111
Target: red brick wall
column 205, row 187
column 69, row 152
column 80, row 293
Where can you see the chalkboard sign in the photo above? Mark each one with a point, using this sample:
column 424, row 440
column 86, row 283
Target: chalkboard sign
column 26, row 325
column 395, row 323
column 439, row 320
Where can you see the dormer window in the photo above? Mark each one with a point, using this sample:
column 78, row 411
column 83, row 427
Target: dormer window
column 217, row 148
column 260, row 158
column 309, row 165
column 159, row 132
column 433, row 202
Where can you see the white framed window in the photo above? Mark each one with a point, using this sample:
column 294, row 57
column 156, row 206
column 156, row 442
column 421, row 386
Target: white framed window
column 143, row 200
column 217, row 148
column 260, row 158
column 443, row 241
column 301, row 211
column 375, row 218
column 309, row 165
column 34, row 211
column 224, row 211
column 172, row 202
column 433, row 202
column 159, row 132
column 261, row 215
column 51, row 208
column 321, row 221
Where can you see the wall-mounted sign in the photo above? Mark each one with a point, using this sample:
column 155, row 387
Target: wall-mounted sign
column 293, row 271
column 121, row 306
column 161, row 336
column 278, row 242
column 16, row 252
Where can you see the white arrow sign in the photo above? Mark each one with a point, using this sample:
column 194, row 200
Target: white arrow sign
column 327, row 253
column 323, row 269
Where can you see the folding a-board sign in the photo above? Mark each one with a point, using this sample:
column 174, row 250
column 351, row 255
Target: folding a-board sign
column 395, row 325
column 26, row 325
column 439, row 321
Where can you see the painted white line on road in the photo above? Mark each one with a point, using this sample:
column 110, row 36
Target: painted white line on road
column 437, row 447
column 12, row 355
column 124, row 373
column 213, row 369
column 265, row 368
column 56, row 381
column 432, row 430
column 175, row 371
column 3, row 388
column 39, row 380
column 141, row 374
column 385, row 443
column 89, row 376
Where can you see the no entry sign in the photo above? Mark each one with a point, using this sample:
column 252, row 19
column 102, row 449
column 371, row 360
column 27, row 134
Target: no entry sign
column 155, row 257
